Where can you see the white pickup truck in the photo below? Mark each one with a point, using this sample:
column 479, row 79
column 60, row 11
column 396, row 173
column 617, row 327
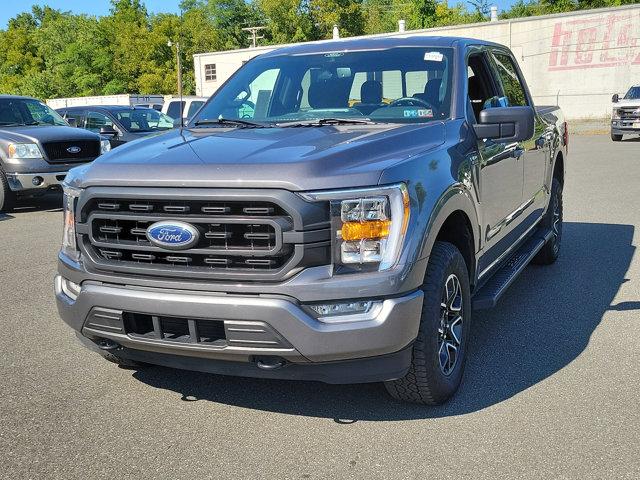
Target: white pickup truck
column 625, row 116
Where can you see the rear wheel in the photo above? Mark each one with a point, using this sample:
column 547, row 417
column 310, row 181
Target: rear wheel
column 552, row 221
column 616, row 137
column 7, row 197
column 440, row 348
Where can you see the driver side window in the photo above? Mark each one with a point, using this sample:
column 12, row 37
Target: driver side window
column 256, row 99
column 481, row 87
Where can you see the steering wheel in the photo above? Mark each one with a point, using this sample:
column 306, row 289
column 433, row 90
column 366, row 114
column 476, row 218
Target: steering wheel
column 411, row 102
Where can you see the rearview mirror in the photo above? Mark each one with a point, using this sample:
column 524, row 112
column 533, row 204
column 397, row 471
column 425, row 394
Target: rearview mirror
column 72, row 122
column 108, row 131
column 615, row 98
column 508, row 124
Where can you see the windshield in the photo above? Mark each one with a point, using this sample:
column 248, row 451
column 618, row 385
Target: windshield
column 143, row 120
column 25, row 111
column 396, row 85
column 633, row 94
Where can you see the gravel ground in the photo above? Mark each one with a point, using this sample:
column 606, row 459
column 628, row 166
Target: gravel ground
column 550, row 391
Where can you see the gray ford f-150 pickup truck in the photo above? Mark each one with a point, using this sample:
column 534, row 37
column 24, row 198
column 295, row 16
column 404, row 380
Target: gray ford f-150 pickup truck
column 334, row 212
column 37, row 148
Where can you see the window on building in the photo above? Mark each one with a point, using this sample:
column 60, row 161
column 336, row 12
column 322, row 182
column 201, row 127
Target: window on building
column 210, row 74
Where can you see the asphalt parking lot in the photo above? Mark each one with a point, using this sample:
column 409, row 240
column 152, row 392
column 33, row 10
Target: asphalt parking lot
column 551, row 389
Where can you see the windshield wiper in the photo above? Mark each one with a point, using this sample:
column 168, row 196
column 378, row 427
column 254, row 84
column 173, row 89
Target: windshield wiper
column 229, row 121
column 328, row 121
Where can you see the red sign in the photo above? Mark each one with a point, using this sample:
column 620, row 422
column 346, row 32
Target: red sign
column 593, row 43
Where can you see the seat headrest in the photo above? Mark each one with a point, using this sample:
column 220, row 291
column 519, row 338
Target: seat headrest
column 371, row 92
column 325, row 94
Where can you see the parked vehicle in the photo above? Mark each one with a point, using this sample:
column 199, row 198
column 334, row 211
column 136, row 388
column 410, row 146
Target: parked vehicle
column 286, row 234
column 37, row 148
column 125, row 99
column 155, row 106
column 120, row 124
column 625, row 117
column 174, row 107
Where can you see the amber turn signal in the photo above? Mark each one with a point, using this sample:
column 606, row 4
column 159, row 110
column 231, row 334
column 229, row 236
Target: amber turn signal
column 365, row 230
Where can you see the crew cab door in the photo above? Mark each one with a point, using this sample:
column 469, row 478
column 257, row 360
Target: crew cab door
column 501, row 172
column 534, row 152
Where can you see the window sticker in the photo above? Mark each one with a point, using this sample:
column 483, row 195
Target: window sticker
column 433, row 56
column 418, row 113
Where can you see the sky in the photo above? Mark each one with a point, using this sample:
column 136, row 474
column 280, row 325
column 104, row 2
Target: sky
column 10, row 8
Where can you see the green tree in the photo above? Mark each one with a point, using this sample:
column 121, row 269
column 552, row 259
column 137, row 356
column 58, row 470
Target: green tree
column 347, row 14
column 287, row 21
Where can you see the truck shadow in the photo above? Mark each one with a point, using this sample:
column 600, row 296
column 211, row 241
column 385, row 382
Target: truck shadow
column 49, row 202
column 541, row 325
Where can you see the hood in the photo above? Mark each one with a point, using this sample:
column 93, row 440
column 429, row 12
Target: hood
column 304, row 158
column 627, row 103
column 43, row 134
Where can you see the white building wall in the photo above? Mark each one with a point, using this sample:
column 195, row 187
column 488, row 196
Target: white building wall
column 577, row 60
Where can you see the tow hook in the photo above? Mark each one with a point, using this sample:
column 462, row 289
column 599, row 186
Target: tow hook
column 270, row 363
column 106, row 344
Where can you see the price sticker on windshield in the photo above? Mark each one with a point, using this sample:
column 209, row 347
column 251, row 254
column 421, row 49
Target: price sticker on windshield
column 433, row 56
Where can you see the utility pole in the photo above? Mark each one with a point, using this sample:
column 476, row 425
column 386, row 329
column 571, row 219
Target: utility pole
column 179, row 65
column 253, row 32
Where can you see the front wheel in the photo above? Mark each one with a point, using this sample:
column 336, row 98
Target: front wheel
column 616, row 137
column 440, row 348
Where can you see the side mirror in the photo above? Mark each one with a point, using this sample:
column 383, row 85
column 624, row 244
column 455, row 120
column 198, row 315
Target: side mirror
column 615, row 98
column 179, row 122
column 72, row 122
column 108, row 131
column 508, row 124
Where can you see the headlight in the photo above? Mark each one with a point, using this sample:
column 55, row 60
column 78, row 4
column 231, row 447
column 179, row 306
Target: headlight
column 24, row 150
column 368, row 225
column 616, row 114
column 69, row 245
column 105, row 146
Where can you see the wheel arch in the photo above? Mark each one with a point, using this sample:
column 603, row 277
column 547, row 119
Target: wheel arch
column 455, row 220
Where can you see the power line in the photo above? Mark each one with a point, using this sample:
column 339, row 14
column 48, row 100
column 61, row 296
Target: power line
column 253, row 35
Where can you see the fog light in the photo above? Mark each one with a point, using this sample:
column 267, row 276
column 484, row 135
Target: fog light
column 355, row 311
column 37, row 181
column 70, row 289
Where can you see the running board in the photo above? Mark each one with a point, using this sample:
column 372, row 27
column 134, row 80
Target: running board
column 490, row 293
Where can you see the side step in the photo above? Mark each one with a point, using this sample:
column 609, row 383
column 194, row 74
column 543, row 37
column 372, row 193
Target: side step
column 490, row 293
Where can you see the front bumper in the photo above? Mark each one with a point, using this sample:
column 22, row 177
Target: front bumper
column 256, row 327
column 621, row 127
column 19, row 182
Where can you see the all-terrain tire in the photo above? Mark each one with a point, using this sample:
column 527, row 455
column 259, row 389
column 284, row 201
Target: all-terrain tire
column 7, row 197
column 552, row 221
column 426, row 382
column 616, row 137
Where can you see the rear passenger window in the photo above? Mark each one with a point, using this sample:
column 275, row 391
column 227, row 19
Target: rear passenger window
column 511, row 85
column 175, row 109
column 193, row 108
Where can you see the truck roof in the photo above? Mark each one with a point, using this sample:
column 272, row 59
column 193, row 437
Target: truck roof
column 104, row 107
column 374, row 43
column 4, row 96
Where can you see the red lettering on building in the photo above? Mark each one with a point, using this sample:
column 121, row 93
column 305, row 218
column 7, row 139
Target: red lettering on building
column 593, row 43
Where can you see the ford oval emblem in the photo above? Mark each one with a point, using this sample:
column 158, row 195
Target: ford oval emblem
column 173, row 235
column 74, row 149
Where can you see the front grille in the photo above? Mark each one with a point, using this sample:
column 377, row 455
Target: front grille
column 236, row 237
column 176, row 329
column 59, row 151
column 629, row 113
